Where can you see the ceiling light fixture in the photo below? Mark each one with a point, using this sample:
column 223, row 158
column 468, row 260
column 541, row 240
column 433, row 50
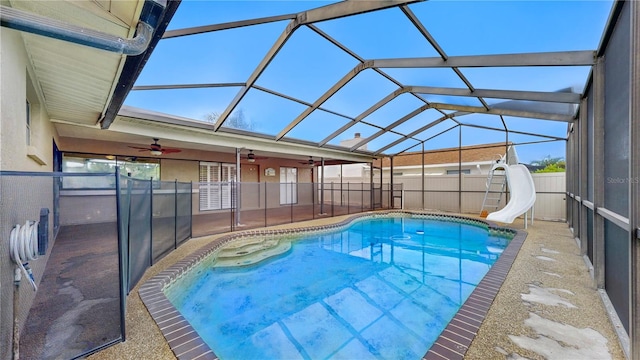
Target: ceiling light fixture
column 155, row 152
column 251, row 157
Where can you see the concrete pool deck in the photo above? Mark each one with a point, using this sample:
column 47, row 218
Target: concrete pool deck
column 547, row 307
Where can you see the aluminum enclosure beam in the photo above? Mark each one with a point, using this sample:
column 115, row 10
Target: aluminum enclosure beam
column 466, row 110
column 391, row 126
column 416, row 22
column 555, row 97
column 362, row 115
column 319, row 14
column 347, row 8
column 563, row 58
column 225, row 26
column 425, row 140
column 553, row 138
column 275, row 48
column 569, row 58
column 324, row 97
column 186, row 86
column 414, row 133
column 329, row 12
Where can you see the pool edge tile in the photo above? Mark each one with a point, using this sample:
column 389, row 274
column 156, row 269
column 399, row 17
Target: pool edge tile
column 459, row 325
column 153, row 296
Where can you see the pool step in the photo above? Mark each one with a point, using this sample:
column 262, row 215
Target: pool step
column 250, row 251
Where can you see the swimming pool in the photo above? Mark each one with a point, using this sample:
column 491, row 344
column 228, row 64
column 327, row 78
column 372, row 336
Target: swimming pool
column 390, row 266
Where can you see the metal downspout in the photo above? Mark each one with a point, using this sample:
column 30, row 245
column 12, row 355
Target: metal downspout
column 32, row 23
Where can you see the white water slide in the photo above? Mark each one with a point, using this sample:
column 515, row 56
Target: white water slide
column 523, row 195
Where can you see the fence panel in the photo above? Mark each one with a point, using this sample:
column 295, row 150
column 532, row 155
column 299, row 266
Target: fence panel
column 303, row 209
column 183, row 212
column 163, row 238
column 139, row 250
column 77, row 274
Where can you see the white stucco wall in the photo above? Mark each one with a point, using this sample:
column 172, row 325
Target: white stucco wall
column 22, row 198
column 15, row 88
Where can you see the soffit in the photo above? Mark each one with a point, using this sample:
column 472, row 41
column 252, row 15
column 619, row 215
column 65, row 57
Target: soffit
column 76, row 82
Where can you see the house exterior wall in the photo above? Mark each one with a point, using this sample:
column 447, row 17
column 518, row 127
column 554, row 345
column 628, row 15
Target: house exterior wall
column 15, row 88
column 181, row 170
column 23, row 197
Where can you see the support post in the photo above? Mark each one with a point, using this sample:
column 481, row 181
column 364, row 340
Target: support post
column 460, row 169
column 582, row 159
column 422, row 182
column 371, row 186
column 238, row 194
column 191, row 208
column 391, row 200
column 634, row 183
column 598, row 178
column 361, row 197
column 332, row 198
column 322, row 188
column 381, row 182
column 348, row 196
column 341, row 186
column 175, row 214
column 123, row 253
column 151, row 221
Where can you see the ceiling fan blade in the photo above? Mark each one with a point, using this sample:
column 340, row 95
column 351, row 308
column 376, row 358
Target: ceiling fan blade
column 140, row 148
column 170, row 150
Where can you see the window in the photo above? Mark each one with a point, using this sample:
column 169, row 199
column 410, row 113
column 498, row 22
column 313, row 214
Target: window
column 455, row 172
column 83, row 163
column 28, row 118
column 216, row 185
column 288, row 185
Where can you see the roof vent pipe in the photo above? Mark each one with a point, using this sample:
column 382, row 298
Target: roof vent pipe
column 40, row 25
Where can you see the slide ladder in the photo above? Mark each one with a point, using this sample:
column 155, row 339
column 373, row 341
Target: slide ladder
column 496, row 186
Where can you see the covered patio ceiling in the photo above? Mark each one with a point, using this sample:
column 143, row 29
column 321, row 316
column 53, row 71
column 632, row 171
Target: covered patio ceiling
column 303, row 78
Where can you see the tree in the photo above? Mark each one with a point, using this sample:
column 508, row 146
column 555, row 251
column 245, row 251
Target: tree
column 549, row 164
column 236, row 120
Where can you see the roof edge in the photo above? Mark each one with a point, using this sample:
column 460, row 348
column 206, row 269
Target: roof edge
column 134, row 64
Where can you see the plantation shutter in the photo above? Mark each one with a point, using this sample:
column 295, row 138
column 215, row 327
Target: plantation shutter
column 215, row 186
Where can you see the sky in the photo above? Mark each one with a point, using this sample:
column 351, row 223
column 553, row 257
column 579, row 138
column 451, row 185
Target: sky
column 308, row 65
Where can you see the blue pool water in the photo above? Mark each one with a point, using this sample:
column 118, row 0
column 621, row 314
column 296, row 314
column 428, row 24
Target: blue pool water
column 381, row 289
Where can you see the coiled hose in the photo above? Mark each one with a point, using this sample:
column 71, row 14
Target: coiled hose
column 24, row 248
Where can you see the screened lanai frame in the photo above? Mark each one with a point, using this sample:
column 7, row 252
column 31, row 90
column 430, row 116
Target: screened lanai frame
column 450, row 106
column 607, row 233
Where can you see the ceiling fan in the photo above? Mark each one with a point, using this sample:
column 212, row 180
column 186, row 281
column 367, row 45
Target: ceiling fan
column 156, row 149
column 309, row 162
column 251, row 157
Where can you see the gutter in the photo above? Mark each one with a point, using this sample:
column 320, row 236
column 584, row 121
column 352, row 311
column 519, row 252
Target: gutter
column 134, row 64
column 35, row 24
column 154, row 19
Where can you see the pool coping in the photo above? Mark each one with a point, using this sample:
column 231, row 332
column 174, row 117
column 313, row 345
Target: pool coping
column 452, row 343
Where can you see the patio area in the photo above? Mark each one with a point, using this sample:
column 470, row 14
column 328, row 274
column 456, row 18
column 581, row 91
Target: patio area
column 552, row 305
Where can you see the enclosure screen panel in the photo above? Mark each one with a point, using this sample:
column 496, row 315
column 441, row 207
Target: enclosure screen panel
column 616, row 122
